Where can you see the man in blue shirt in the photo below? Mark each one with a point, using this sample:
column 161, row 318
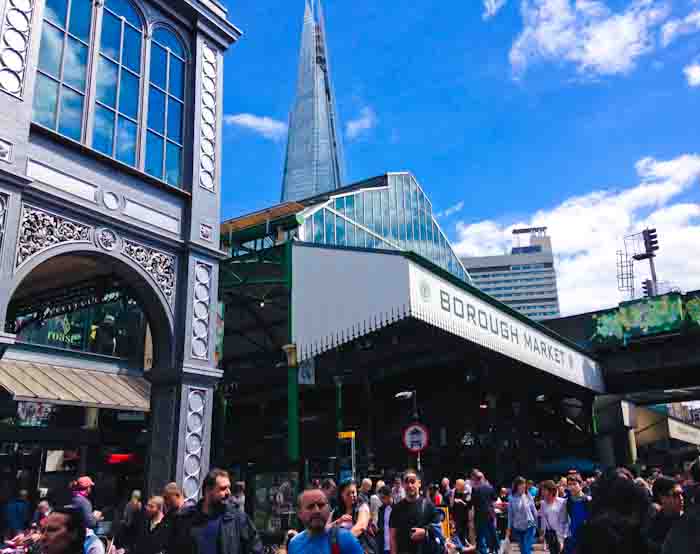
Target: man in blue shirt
column 314, row 512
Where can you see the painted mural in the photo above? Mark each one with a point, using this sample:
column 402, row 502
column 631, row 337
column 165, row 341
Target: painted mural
column 643, row 318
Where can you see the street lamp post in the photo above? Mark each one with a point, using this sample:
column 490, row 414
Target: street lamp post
column 292, row 404
column 411, row 395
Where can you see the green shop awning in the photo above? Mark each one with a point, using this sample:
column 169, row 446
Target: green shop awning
column 54, row 384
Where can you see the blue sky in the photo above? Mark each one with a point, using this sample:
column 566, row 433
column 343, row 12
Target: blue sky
column 578, row 114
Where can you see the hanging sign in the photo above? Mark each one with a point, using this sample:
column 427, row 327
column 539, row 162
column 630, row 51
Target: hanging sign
column 307, row 372
column 416, row 437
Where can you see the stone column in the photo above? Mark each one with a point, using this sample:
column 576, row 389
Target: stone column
column 181, row 433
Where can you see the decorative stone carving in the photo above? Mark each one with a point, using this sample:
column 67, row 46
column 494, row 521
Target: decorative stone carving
column 111, row 201
column 200, row 312
column 3, row 217
column 159, row 265
column 107, row 239
column 14, row 45
column 40, row 230
column 5, row 151
column 205, row 232
column 208, row 119
column 194, row 439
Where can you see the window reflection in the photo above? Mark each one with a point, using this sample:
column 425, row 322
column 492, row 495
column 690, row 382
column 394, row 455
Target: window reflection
column 112, row 328
column 395, row 216
column 59, row 97
column 119, row 81
column 103, row 135
column 45, row 99
column 165, row 111
column 71, row 112
column 60, row 101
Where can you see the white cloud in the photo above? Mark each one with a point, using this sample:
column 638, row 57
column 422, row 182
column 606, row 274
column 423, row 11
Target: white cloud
column 364, row 123
column 491, row 7
column 692, row 74
column 588, row 230
column 264, row 126
column 675, row 28
column 458, row 207
column 586, row 33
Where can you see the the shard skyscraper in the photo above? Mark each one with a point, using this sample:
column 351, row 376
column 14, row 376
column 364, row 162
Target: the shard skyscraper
column 314, row 160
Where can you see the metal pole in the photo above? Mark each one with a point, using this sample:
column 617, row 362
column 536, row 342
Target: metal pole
column 352, row 455
column 419, row 468
column 293, row 415
column 339, row 405
column 415, row 405
column 652, row 266
column 292, row 404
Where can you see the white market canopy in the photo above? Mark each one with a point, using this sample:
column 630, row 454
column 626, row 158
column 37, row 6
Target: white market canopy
column 341, row 294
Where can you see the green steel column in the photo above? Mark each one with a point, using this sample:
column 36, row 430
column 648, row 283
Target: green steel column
column 292, row 370
column 293, row 415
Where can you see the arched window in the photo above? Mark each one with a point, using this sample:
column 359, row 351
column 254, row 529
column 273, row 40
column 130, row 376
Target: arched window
column 164, row 138
column 118, row 91
column 59, row 97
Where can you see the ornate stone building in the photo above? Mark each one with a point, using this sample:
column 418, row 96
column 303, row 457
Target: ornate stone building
column 110, row 172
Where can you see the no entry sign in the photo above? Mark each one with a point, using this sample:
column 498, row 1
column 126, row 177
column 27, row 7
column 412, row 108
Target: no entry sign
column 416, row 437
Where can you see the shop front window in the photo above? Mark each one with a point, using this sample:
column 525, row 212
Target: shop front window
column 114, row 328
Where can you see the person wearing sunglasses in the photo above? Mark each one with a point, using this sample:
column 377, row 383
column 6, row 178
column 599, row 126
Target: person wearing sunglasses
column 668, row 494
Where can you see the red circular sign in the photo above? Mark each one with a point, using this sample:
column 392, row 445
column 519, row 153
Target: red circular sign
column 416, row 437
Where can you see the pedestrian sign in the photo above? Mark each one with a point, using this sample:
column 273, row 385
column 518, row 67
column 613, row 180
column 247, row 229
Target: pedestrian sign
column 416, row 437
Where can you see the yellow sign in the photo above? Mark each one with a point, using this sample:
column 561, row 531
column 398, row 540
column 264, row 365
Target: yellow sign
column 346, row 435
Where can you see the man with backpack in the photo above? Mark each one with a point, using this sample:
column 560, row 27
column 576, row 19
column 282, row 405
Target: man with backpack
column 314, row 512
column 414, row 522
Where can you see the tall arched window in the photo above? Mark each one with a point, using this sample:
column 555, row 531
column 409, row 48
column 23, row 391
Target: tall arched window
column 59, row 97
column 118, row 95
column 164, row 139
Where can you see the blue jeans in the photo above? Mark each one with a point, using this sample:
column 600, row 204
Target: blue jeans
column 524, row 538
column 486, row 537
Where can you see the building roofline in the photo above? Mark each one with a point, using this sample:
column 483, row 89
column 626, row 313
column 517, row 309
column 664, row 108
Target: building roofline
column 466, row 287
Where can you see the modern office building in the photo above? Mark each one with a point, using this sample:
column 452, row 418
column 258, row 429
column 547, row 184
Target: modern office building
column 110, row 172
column 314, row 159
column 525, row 279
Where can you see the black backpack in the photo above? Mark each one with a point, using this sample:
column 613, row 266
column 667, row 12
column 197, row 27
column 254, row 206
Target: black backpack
column 435, row 542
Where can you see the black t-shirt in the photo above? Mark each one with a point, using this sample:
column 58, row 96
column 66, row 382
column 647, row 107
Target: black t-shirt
column 483, row 498
column 406, row 516
column 460, row 510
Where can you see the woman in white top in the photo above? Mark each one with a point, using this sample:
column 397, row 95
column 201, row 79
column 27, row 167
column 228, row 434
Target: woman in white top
column 553, row 517
column 375, row 503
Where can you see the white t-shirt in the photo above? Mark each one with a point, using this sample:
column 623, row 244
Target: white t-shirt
column 374, row 504
column 555, row 517
column 387, row 529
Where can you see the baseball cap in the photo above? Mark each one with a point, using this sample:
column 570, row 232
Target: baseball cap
column 84, row 482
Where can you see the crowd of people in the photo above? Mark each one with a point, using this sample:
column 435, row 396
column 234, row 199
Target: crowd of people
column 616, row 512
column 163, row 524
column 613, row 512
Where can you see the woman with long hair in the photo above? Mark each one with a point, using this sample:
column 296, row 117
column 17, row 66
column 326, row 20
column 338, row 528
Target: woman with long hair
column 522, row 516
column 353, row 515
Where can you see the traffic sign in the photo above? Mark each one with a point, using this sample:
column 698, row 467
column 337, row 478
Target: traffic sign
column 416, row 437
column 346, row 435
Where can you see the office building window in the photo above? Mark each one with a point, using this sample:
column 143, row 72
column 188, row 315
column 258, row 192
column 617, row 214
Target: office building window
column 165, row 136
column 59, row 96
